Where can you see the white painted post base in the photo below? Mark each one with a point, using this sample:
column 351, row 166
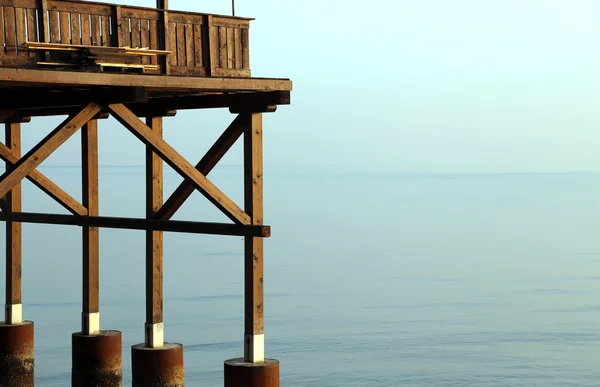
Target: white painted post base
column 254, row 348
column 154, row 335
column 90, row 323
column 13, row 314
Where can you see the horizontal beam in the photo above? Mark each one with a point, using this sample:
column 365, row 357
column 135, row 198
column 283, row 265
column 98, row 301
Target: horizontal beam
column 43, row 98
column 28, row 77
column 248, row 101
column 140, row 224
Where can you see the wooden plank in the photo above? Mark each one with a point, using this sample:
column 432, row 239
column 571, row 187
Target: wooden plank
column 245, row 49
column 231, row 73
column 44, row 148
column 126, row 32
column 105, row 24
column 228, row 22
column 145, row 39
column 154, row 239
column 54, row 27
column 43, row 21
column 21, row 28
column 135, row 33
column 96, row 34
column 138, row 13
column 253, row 247
column 29, row 77
column 90, row 235
column 12, row 203
column 80, row 7
column 116, row 35
column 186, row 18
column 177, row 162
column 10, row 32
column 18, row 3
column 32, row 25
column 206, row 164
column 172, row 43
column 76, row 28
column 154, row 42
column 189, row 45
column 238, row 56
column 230, row 48
column 65, row 28
column 209, row 228
column 164, row 41
column 2, row 41
column 86, row 29
column 198, row 42
column 222, row 47
column 46, row 185
column 180, row 44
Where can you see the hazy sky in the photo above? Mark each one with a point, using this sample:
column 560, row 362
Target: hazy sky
column 447, row 85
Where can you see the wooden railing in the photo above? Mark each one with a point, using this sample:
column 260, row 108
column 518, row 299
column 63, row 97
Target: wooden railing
column 200, row 44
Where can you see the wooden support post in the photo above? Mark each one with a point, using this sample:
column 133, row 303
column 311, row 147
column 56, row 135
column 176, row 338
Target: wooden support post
column 154, row 329
column 13, row 312
column 253, row 247
column 91, row 247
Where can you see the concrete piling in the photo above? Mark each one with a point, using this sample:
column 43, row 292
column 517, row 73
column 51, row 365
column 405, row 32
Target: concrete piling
column 239, row 373
column 16, row 355
column 157, row 367
column 97, row 359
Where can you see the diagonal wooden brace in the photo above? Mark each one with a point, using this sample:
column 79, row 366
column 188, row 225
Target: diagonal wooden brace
column 139, row 129
column 208, row 162
column 46, row 185
column 44, row 148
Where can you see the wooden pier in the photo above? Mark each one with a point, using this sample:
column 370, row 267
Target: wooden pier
column 88, row 61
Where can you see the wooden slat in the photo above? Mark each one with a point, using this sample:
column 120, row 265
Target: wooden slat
column 43, row 21
column 65, row 28
column 13, row 229
column 230, row 48
column 54, row 27
column 76, row 28
column 180, row 44
column 106, row 38
column 177, row 162
column 86, row 30
column 32, row 33
column 206, row 164
column 2, row 41
column 46, row 185
column 91, row 239
column 239, row 59
column 125, row 32
column 210, row 228
column 164, row 42
column 154, row 239
column 96, row 35
column 10, row 32
column 198, row 43
column 145, row 39
column 44, row 148
column 21, row 28
column 189, row 45
column 245, row 48
column 253, row 247
column 223, row 47
column 153, row 39
column 172, row 44
column 116, row 27
column 135, row 33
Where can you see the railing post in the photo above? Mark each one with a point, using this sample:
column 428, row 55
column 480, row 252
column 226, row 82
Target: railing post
column 163, row 39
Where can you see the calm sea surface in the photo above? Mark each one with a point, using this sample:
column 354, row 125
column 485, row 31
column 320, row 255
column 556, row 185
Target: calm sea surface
column 372, row 279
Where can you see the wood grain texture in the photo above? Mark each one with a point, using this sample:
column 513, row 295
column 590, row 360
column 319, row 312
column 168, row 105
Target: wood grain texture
column 21, row 28
column 206, row 164
column 44, row 148
column 154, row 239
column 46, row 185
column 178, row 163
column 91, row 237
column 2, row 37
column 253, row 204
column 12, row 203
column 10, row 33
